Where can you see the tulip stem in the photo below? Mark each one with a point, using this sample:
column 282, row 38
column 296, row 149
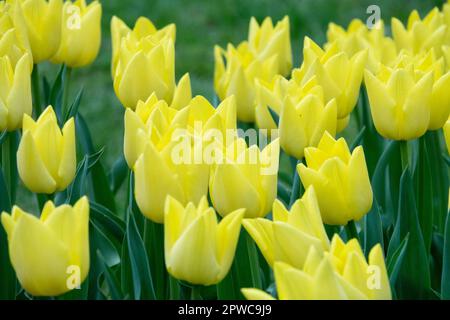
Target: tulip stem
column 195, row 293
column 352, row 231
column 36, row 88
column 404, row 154
column 9, row 163
column 66, row 92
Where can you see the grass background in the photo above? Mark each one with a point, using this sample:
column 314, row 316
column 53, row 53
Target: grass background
column 201, row 24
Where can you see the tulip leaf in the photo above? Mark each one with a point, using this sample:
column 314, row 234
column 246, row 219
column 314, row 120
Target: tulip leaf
column 108, row 221
column 115, row 291
column 424, row 190
column 73, row 109
column 445, row 283
column 414, row 276
column 56, row 93
column 395, row 262
column 373, row 228
column 359, row 138
column 3, row 136
column 118, row 174
column 275, row 116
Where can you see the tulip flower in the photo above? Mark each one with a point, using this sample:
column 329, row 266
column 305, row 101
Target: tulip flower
column 358, row 37
column 46, row 158
column 237, row 75
column 198, row 249
column 327, row 66
column 13, row 33
column 420, row 35
column 42, row 18
column 50, row 255
column 342, row 274
column 447, row 135
column 340, row 179
column 267, row 41
column 159, row 173
column 80, row 34
column 144, row 30
column 400, row 103
column 245, row 178
column 303, row 125
column 144, row 63
column 291, row 233
column 15, row 93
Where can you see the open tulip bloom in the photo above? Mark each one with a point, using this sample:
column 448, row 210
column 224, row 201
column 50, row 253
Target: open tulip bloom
column 319, row 178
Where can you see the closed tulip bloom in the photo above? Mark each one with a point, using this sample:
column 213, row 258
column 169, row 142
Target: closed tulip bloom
column 236, row 71
column 303, row 125
column 50, row 254
column 42, row 19
column 342, row 274
column 447, row 135
column 15, row 92
column 46, row 158
column 143, row 29
column 267, row 40
column 13, row 33
column 358, row 37
column 80, row 34
column 400, row 103
column 340, row 179
column 420, row 34
column 291, row 233
column 145, row 65
column 198, row 249
column 339, row 74
column 245, row 178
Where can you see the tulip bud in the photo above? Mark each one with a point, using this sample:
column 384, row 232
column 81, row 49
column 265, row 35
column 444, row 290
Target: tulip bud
column 291, row 233
column 42, row 18
column 447, row 135
column 15, row 95
column 245, row 178
column 50, row 255
column 196, row 229
column 80, row 34
column 340, row 179
column 400, row 104
column 46, row 158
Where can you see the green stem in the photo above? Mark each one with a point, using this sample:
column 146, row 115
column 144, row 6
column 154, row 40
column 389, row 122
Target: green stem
column 36, row 88
column 154, row 242
column 66, row 92
column 174, row 289
column 254, row 262
column 351, row 230
column 195, row 293
column 404, row 154
column 42, row 200
column 9, row 163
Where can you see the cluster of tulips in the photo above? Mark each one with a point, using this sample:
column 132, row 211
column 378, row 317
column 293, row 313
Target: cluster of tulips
column 349, row 200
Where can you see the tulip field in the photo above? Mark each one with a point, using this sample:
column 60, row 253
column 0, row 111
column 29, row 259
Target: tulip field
column 232, row 150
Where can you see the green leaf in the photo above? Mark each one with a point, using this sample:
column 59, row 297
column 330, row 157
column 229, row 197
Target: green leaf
column 111, row 280
column 118, row 174
column 414, row 276
column 73, row 109
column 359, row 138
column 3, row 136
column 7, row 275
column 373, row 228
column 445, row 290
column 275, row 116
column 56, row 93
column 395, row 261
column 108, row 221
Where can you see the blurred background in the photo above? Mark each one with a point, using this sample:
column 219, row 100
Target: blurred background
column 201, row 24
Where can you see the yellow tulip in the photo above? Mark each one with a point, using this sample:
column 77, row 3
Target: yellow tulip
column 291, row 233
column 267, row 41
column 340, row 179
column 46, row 158
column 13, row 33
column 42, row 19
column 420, row 34
column 80, row 34
column 237, row 75
column 50, row 255
column 358, row 37
column 198, row 249
column 303, row 124
column 143, row 31
column 440, row 96
column 144, row 64
column 159, row 174
column 400, row 103
column 15, row 92
column 245, row 178
column 447, row 135
column 327, row 66
column 342, row 274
